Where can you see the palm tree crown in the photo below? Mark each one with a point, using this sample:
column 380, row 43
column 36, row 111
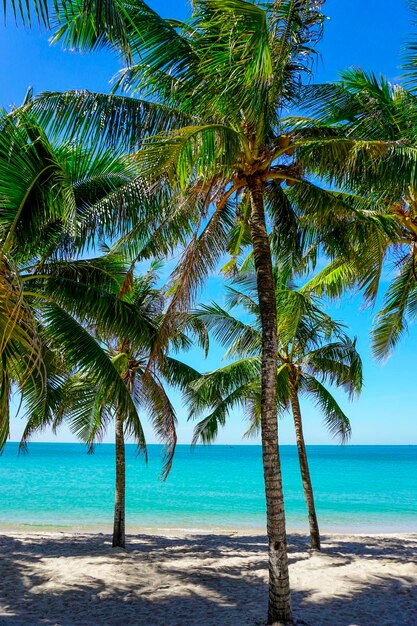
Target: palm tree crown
column 313, row 350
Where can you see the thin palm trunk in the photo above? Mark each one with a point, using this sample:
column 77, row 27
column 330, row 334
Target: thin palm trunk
column 305, row 472
column 119, row 505
column 279, row 605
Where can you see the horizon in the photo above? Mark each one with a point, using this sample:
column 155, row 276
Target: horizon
column 225, row 445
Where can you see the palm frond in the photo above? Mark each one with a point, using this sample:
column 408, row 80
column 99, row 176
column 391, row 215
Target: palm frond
column 334, row 418
column 240, row 338
column 198, row 259
column 209, row 389
column 207, row 429
column 193, row 152
column 21, row 346
column 338, row 363
column 177, row 373
column 391, row 322
column 109, row 120
column 150, row 393
column 85, row 355
column 27, row 11
column 129, row 28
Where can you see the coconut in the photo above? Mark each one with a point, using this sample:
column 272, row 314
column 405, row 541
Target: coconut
column 284, row 141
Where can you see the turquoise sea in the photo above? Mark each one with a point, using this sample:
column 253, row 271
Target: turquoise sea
column 357, row 488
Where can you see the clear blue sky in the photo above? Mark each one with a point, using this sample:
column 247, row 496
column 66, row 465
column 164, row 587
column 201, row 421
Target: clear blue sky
column 365, row 33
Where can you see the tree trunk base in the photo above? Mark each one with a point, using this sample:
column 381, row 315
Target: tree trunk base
column 118, row 544
column 315, row 543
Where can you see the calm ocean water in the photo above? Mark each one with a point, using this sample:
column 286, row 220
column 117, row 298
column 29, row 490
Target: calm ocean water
column 357, row 488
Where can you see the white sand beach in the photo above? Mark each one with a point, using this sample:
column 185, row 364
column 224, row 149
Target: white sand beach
column 202, row 579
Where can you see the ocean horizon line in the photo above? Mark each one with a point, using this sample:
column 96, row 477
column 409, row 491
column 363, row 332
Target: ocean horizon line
column 227, row 445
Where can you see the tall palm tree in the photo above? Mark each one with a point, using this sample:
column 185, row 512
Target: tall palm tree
column 214, row 153
column 313, row 350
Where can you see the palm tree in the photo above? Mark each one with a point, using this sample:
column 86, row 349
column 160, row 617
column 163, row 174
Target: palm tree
column 89, row 408
column 313, row 350
column 213, row 153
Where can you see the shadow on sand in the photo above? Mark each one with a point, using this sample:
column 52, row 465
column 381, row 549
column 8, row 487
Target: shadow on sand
column 208, row 580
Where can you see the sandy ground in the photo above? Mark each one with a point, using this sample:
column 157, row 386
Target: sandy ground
column 203, row 579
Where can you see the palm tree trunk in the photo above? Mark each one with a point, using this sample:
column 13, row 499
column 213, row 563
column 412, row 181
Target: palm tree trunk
column 279, row 605
column 305, row 472
column 119, row 505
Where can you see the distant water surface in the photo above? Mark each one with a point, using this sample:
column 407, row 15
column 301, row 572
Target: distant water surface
column 357, row 488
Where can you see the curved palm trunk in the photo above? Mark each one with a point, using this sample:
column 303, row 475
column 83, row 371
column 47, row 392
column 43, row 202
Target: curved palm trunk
column 119, row 505
column 279, row 606
column 305, row 472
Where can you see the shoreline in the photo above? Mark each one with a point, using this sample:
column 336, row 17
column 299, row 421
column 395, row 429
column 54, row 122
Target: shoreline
column 133, row 529
column 75, row 579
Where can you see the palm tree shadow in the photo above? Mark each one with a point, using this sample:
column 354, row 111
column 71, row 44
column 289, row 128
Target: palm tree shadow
column 384, row 602
column 201, row 579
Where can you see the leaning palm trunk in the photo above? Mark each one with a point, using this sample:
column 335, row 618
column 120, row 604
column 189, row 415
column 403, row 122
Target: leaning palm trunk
column 279, row 606
column 305, row 472
column 119, row 506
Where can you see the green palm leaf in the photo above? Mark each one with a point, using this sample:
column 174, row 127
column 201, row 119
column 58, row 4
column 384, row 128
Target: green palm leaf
column 83, row 353
column 111, row 120
column 391, row 321
column 334, row 418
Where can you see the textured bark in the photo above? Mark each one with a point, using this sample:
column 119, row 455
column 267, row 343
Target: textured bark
column 305, row 472
column 119, row 505
column 279, row 605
